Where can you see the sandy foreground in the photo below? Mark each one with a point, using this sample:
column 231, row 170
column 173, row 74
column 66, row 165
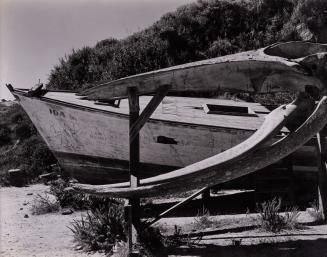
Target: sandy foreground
column 38, row 235
column 48, row 235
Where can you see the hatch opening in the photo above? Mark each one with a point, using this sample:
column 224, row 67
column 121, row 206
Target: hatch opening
column 228, row 110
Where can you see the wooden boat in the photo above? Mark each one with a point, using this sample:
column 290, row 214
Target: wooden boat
column 89, row 134
column 91, row 141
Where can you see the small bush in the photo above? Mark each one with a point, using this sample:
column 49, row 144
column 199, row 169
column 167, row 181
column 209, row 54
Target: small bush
column 202, row 220
column 4, row 135
column 44, row 204
column 316, row 213
column 67, row 198
column 24, row 130
column 101, row 228
column 272, row 221
column 291, row 218
column 153, row 243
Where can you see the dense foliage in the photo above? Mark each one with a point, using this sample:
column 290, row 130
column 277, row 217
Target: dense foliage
column 20, row 145
column 195, row 31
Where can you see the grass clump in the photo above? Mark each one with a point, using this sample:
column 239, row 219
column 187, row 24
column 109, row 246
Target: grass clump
column 271, row 220
column 68, row 198
column 154, row 244
column 316, row 213
column 202, row 220
column 101, row 228
column 44, row 204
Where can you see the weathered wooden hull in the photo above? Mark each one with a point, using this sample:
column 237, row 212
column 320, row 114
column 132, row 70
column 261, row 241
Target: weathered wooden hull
column 92, row 144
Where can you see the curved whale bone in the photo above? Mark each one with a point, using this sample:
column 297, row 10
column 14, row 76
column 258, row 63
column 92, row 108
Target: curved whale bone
column 243, row 159
column 280, row 67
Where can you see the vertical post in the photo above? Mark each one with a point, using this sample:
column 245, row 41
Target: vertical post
column 134, row 145
column 134, row 159
column 205, row 196
column 322, row 176
column 129, row 225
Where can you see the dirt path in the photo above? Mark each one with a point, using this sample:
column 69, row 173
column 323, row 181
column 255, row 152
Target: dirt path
column 44, row 235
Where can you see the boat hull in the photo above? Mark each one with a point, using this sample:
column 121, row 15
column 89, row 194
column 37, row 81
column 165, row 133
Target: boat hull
column 92, row 145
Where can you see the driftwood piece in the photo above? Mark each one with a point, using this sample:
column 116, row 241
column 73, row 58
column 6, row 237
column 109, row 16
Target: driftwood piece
column 216, row 170
column 287, row 66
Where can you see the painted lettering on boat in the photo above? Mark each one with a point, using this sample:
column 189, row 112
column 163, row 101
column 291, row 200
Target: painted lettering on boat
column 57, row 113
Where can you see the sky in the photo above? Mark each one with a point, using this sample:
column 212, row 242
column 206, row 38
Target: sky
column 34, row 34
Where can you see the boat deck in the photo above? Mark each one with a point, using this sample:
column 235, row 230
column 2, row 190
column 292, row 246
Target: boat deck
column 182, row 110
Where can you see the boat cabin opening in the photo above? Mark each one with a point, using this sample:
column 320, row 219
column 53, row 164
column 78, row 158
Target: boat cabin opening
column 228, row 110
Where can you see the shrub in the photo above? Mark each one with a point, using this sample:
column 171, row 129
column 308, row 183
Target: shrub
column 221, row 47
column 24, row 130
column 271, row 220
column 33, row 156
column 153, row 243
column 44, row 204
column 202, row 220
column 316, row 213
column 68, row 198
column 101, row 228
column 4, row 135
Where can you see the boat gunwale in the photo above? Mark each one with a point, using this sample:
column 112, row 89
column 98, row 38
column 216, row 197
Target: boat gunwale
column 111, row 113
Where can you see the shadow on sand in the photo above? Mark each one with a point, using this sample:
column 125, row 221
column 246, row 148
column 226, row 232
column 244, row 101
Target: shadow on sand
column 303, row 248
column 215, row 205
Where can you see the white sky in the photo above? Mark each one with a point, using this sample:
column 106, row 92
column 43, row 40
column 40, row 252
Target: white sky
column 34, row 34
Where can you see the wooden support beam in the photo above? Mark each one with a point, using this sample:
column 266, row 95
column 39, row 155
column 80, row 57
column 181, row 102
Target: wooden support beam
column 148, row 111
column 322, row 176
column 129, row 226
column 134, row 145
column 182, row 203
column 134, row 160
column 205, row 196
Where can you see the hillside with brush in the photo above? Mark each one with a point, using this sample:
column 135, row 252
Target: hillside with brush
column 201, row 30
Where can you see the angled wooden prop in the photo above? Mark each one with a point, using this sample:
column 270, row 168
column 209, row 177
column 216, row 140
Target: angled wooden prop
column 226, row 166
column 148, row 111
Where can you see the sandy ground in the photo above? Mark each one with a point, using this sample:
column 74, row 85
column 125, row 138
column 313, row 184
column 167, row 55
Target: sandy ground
column 235, row 236
column 48, row 235
column 42, row 235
